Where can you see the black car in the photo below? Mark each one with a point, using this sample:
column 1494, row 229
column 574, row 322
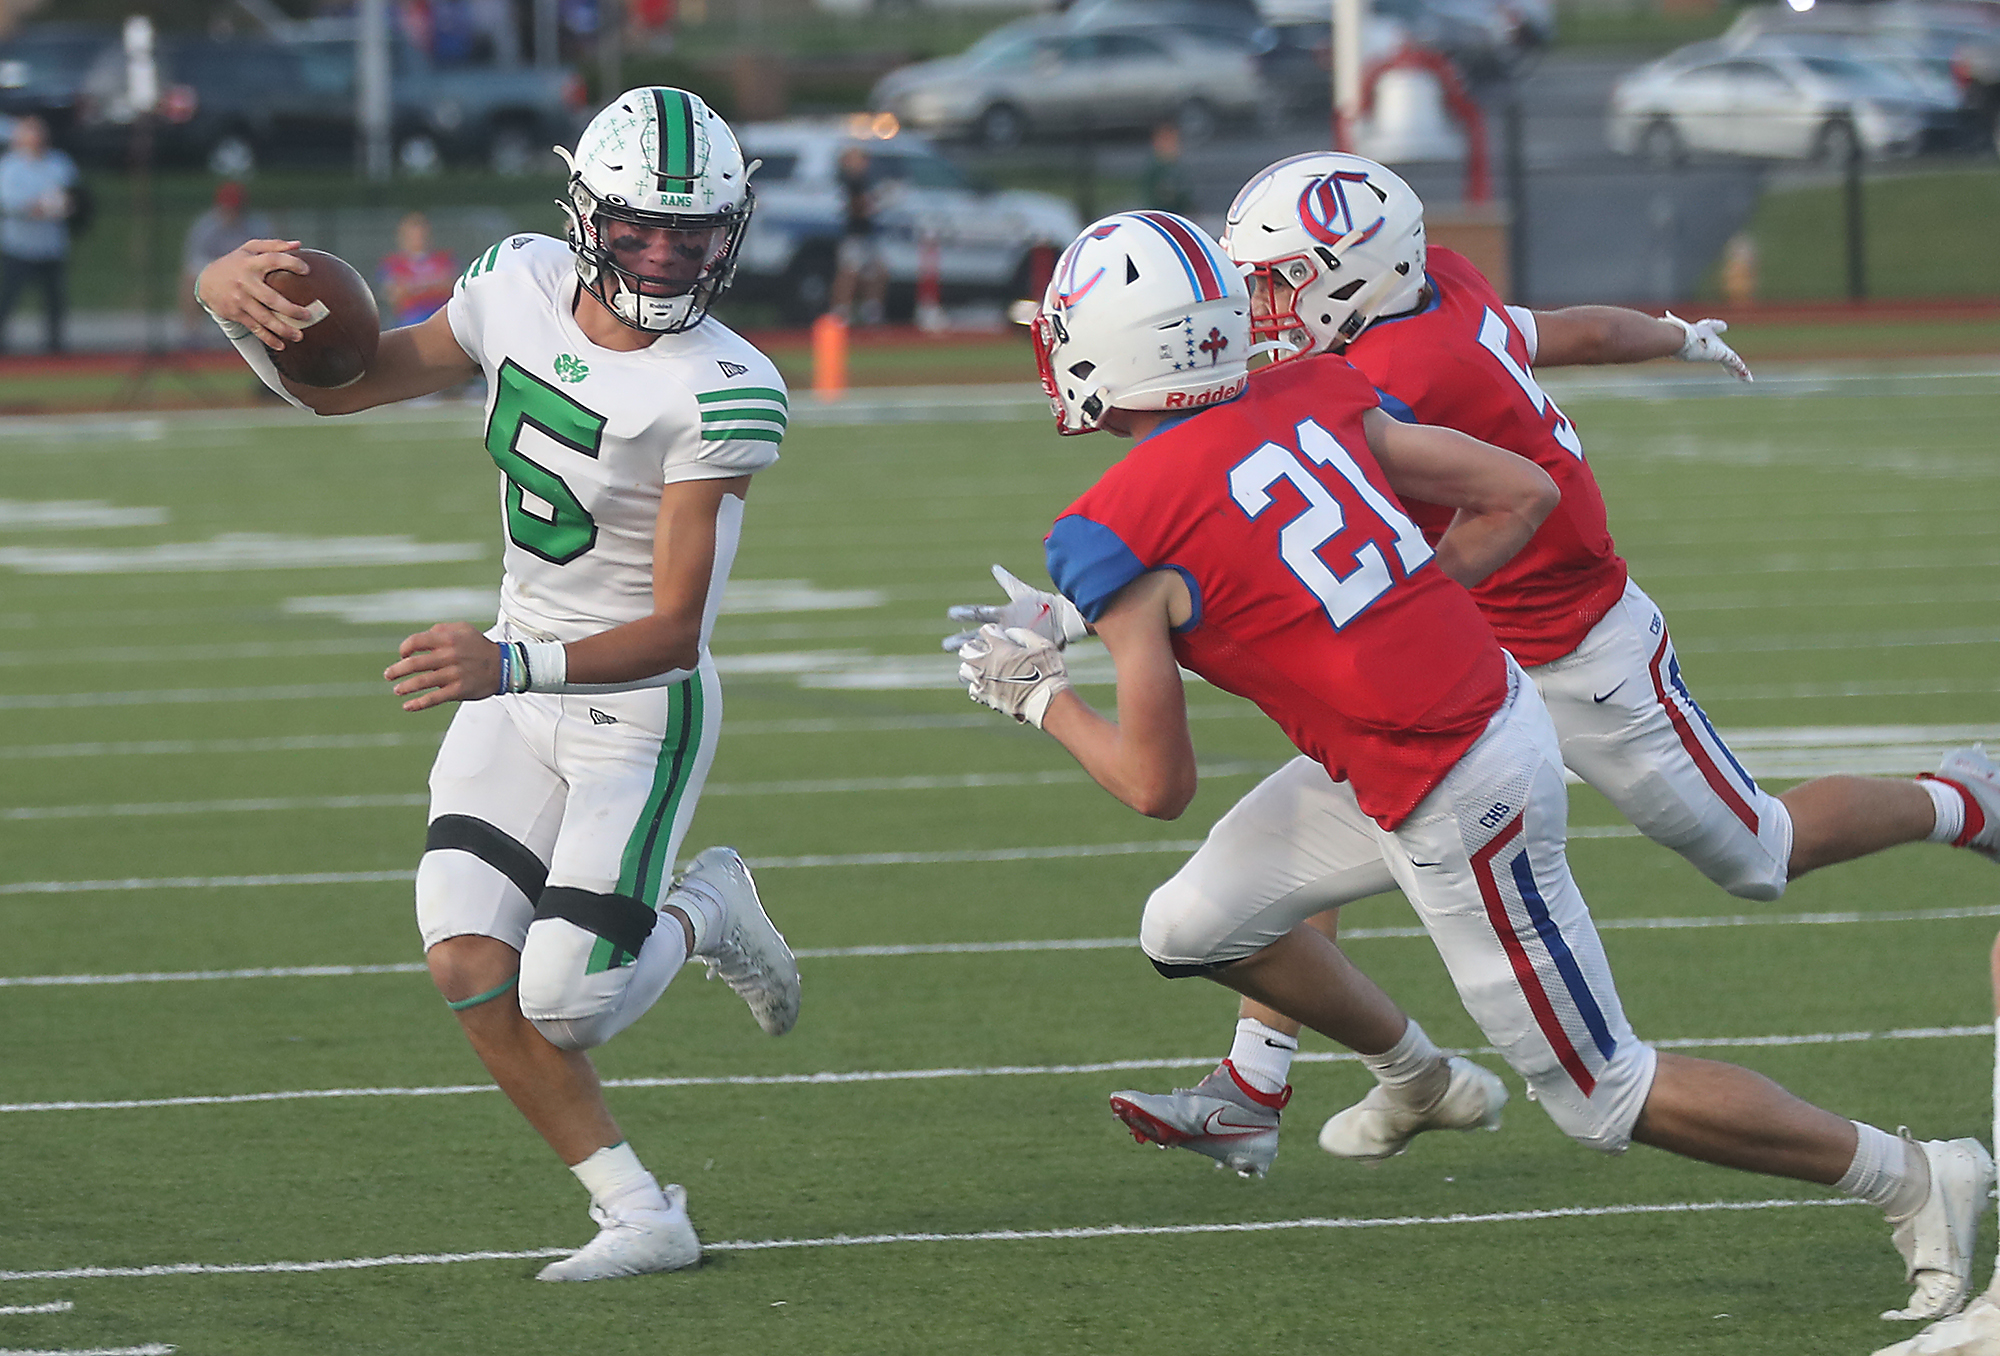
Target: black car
column 233, row 104
column 228, row 104
column 42, row 70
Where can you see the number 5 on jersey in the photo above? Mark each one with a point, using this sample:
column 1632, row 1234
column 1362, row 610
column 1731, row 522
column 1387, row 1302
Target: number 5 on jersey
column 1493, row 338
column 1344, row 596
column 544, row 516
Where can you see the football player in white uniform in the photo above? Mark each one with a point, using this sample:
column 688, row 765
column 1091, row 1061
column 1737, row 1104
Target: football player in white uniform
column 626, row 425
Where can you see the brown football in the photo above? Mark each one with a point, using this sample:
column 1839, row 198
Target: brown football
column 340, row 345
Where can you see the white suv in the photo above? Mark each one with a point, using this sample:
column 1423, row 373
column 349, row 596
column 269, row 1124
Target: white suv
column 985, row 237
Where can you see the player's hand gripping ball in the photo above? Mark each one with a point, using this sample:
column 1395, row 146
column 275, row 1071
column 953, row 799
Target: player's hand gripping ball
column 339, row 347
column 1013, row 670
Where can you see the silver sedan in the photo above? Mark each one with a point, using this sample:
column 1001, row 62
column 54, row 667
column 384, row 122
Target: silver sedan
column 1771, row 104
column 1040, row 77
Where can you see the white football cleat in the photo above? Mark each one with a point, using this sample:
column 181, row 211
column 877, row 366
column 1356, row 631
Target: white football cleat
column 1222, row 1116
column 1937, row 1241
column 632, row 1243
column 747, row 951
column 1973, row 1332
column 1975, row 772
column 1376, row 1128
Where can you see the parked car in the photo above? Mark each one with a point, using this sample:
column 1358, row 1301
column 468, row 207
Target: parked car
column 1768, row 104
column 1484, row 38
column 499, row 117
column 42, row 69
column 1951, row 49
column 1046, row 76
column 985, row 238
column 232, row 104
column 226, row 103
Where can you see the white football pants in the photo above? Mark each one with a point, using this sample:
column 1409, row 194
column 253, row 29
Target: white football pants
column 555, row 825
column 1482, row 862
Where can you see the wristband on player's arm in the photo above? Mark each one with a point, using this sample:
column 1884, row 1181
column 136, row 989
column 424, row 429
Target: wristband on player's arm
column 543, row 666
column 254, row 353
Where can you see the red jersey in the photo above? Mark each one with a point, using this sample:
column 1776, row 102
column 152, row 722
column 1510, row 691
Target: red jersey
column 1314, row 595
column 1462, row 363
column 416, row 285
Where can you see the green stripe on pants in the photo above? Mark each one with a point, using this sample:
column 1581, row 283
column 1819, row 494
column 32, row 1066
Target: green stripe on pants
column 644, row 869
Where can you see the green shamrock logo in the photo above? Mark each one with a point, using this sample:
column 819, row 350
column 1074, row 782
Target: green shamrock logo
column 568, row 368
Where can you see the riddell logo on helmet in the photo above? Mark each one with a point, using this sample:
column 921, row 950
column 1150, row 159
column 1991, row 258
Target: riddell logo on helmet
column 1189, row 400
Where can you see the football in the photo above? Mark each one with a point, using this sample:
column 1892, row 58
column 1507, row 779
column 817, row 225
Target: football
column 340, row 345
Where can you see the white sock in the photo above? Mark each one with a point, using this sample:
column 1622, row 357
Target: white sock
column 1888, row 1172
column 616, row 1178
column 704, row 910
column 1950, row 802
column 1262, row 1055
column 1413, row 1071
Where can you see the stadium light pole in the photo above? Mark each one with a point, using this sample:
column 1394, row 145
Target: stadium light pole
column 1346, row 63
column 371, row 88
column 610, row 47
column 546, row 39
column 142, row 96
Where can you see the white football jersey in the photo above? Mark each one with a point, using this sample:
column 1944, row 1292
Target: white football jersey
column 586, row 437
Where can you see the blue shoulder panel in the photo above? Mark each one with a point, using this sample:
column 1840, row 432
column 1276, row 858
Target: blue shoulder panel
column 1089, row 563
column 1395, row 408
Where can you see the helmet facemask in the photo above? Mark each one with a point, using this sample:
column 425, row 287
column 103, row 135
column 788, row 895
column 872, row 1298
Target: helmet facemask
column 1050, row 336
column 700, row 264
column 655, row 209
column 1343, row 235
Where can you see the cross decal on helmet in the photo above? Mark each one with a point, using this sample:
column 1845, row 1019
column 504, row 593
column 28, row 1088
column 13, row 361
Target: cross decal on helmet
column 1214, row 344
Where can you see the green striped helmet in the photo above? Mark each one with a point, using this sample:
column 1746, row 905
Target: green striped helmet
column 657, row 157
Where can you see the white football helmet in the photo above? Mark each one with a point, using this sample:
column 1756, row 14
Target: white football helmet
column 657, row 157
column 1143, row 312
column 1345, row 234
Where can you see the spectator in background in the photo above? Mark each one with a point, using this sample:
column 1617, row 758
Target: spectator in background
column 37, row 197
column 858, row 266
column 416, row 280
column 216, row 232
column 1163, row 182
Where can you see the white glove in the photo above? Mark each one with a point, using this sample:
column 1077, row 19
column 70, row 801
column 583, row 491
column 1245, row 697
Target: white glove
column 1013, row 670
column 1049, row 615
column 1704, row 344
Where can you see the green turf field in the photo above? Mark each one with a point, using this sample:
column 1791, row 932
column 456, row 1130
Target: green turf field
column 205, row 783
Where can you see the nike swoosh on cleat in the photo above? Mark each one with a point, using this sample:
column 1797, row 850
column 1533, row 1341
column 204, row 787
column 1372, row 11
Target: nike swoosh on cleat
column 1217, row 1127
column 1421, row 866
column 1607, row 696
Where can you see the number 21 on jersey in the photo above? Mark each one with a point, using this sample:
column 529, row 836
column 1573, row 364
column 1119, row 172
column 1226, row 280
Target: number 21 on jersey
column 1326, row 515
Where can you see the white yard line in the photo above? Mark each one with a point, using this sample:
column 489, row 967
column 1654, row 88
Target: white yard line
column 1084, row 1232
column 53, row 1307
column 842, row 1077
column 811, row 787
column 1699, row 923
column 950, row 858
column 150, row 1349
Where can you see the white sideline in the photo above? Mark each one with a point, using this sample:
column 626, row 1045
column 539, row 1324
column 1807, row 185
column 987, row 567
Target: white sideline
column 962, row 781
column 980, row 1236
column 1737, row 920
column 1026, row 854
column 53, row 1307
column 150, row 1349
column 827, row 1079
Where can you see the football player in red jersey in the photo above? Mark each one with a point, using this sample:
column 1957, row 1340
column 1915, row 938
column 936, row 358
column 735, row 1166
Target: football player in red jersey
column 1252, row 536
column 1335, row 248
